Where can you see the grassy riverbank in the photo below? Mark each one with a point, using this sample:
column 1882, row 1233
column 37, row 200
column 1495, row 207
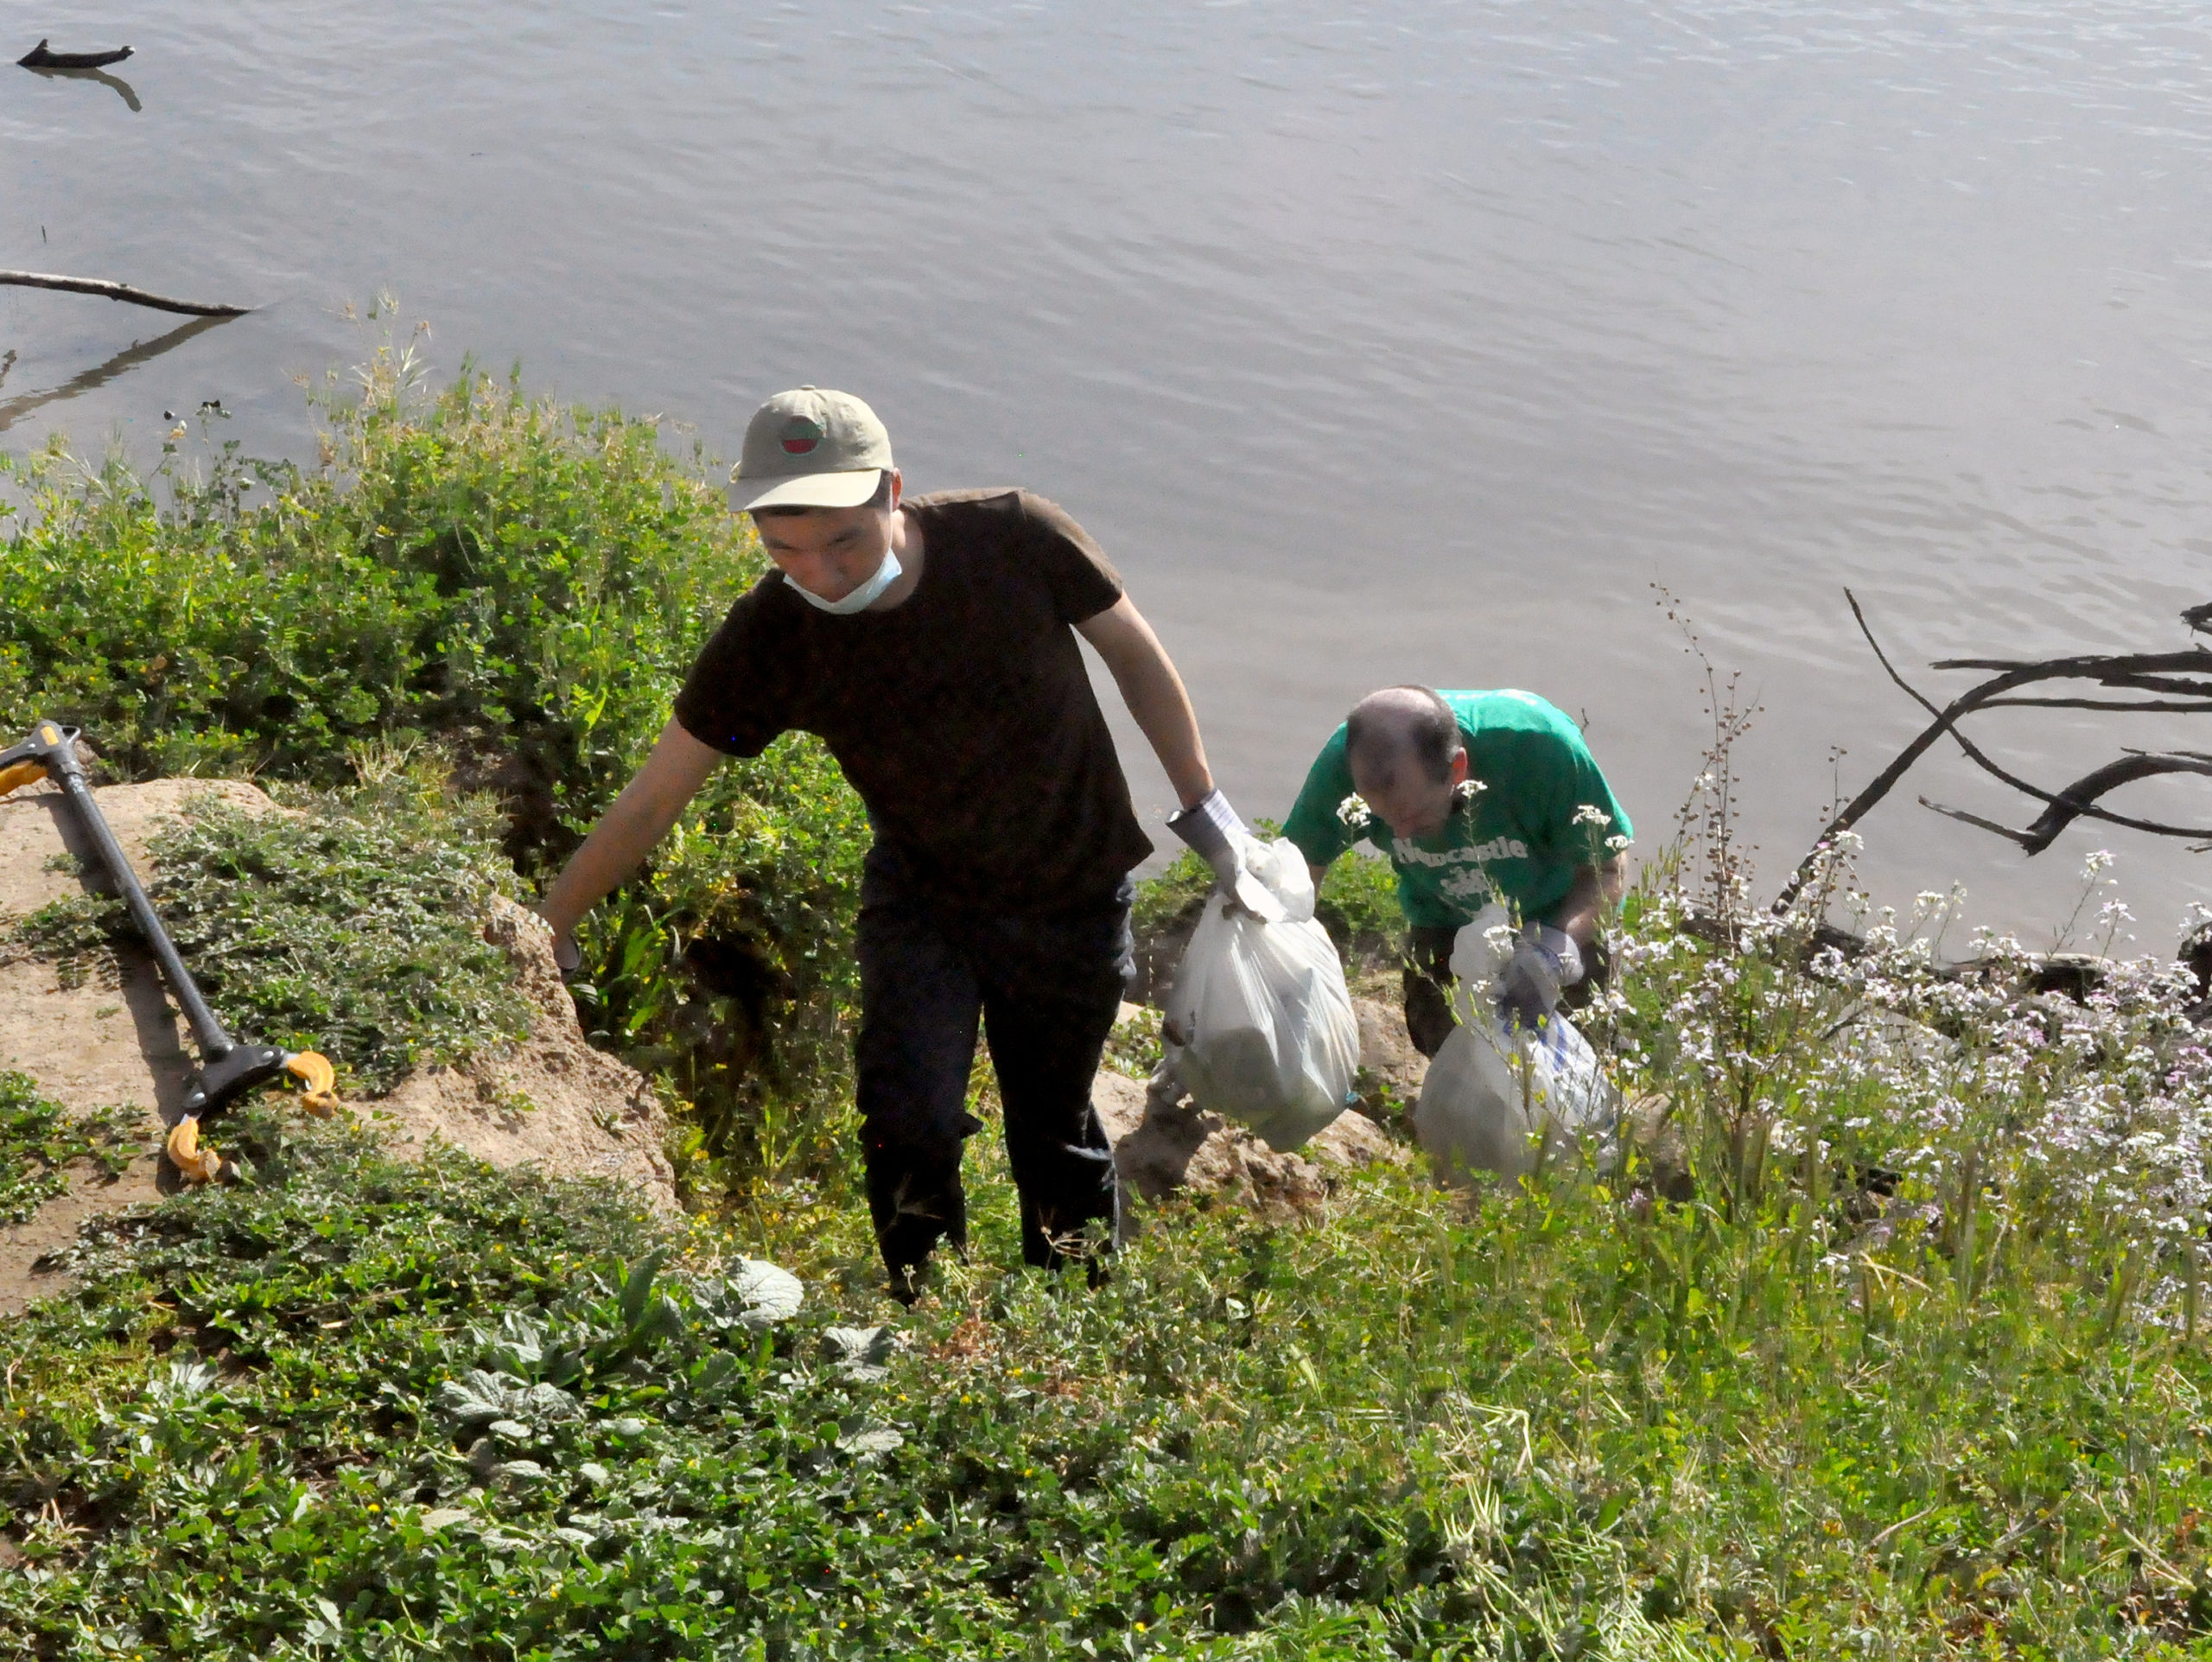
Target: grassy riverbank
column 1787, row 1417
column 1912, row 1365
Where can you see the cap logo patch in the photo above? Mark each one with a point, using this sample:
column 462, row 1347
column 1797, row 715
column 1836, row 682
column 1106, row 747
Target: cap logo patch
column 800, row 436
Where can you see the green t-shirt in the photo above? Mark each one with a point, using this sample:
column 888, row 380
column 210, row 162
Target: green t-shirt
column 1521, row 839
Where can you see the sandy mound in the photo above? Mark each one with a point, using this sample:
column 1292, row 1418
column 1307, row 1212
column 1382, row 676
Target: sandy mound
column 92, row 1046
column 1163, row 1142
column 1386, row 1049
column 555, row 1100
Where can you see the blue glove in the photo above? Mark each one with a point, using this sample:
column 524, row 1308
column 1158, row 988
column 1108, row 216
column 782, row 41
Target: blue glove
column 1545, row 961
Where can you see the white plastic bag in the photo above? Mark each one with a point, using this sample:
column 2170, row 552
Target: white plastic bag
column 1499, row 1099
column 1261, row 1028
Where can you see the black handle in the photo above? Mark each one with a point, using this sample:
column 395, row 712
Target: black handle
column 55, row 747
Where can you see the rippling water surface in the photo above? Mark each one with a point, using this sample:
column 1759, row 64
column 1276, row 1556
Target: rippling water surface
column 1406, row 341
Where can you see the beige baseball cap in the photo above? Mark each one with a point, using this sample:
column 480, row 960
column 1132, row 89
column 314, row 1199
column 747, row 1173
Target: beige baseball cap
column 811, row 449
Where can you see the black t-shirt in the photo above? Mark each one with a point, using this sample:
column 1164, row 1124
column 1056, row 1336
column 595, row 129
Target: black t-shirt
column 963, row 717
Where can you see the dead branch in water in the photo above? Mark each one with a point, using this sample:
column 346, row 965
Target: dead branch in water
column 122, row 88
column 122, row 291
column 39, row 57
column 2181, row 682
column 2076, row 800
column 138, row 352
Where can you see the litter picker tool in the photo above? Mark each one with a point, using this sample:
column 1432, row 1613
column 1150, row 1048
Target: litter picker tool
column 228, row 1069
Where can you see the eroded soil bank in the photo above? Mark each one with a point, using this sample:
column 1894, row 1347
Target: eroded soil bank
column 102, row 1039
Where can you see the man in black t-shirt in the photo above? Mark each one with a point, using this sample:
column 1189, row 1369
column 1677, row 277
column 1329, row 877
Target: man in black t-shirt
column 931, row 644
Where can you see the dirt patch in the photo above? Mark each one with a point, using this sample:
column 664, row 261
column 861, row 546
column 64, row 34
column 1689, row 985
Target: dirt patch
column 91, row 1046
column 553, row 1101
column 28, row 1250
column 1163, row 1142
column 1387, row 1056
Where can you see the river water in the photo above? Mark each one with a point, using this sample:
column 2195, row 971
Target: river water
column 1404, row 341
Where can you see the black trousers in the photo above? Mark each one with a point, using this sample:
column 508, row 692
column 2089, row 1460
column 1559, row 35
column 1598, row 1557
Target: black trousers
column 1045, row 989
column 1427, row 978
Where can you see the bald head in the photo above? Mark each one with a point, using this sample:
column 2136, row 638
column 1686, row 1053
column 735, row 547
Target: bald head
column 1403, row 748
column 1402, row 724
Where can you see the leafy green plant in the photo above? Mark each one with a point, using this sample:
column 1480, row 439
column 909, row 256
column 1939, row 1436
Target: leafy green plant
column 523, row 581
column 361, row 937
column 1358, row 903
column 40, row 1140
column 371, row 1408
column 1166, row 901
column 352, row 925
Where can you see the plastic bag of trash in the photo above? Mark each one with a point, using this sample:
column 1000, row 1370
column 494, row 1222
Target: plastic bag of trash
column 1498, row 1098
column 1260, row 1026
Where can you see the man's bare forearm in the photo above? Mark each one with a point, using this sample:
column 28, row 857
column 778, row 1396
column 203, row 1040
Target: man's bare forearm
column 1157, row 699
column 1162, row 711
column 1596, row 888
column 626, row 832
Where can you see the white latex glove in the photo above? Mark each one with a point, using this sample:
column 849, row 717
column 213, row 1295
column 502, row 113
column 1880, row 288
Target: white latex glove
column 1545, row 961
column 567, row 956
column 1212, row 829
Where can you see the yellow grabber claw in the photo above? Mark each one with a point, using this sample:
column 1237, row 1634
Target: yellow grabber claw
column 318, row 1095
column 318, row 1080
column 21, row 773
column 194, row 1163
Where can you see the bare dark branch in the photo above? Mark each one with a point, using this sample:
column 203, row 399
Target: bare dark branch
column 2171, row 707
column 2091, row 665
column 1975, row 819
column 2142, row 671
column 122, row 291
column 43, row 57
column 2075, row 799
column 2137, row 674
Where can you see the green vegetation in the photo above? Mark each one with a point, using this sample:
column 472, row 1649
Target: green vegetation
column 358, row 936
column 521, row 581
column 352, row 927
column 40, row 1140
column 1884, row 1339
column 506, row 591
column 365, row 1410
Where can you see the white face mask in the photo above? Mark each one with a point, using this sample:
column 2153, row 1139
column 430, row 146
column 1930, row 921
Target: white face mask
column 862, row 598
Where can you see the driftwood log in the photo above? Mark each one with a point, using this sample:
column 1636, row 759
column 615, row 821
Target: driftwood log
column 122, row 291
column 40, row 57
column 2170, row 683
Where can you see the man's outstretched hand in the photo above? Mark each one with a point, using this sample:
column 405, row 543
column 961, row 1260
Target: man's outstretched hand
column 1214, row 832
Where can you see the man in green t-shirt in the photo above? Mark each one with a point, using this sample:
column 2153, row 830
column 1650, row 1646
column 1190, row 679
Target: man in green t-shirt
column 1475, row 797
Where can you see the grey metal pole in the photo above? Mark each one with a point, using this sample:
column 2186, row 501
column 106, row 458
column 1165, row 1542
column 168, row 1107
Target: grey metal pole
column 214, row 1040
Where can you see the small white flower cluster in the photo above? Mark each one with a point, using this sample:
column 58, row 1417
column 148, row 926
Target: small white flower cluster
column 2063, row 1095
